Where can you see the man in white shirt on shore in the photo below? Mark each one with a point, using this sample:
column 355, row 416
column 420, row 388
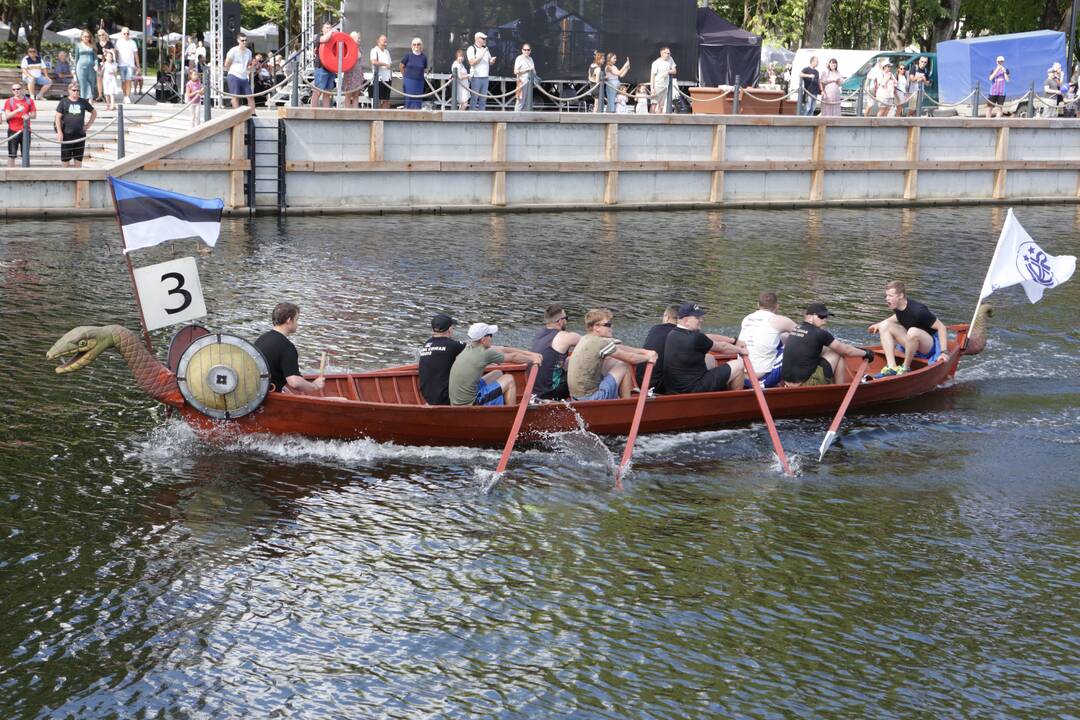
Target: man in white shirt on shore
column 524, row 68
column 127, row 61
column 380, row 66
column 480, row 60
column 663, row 72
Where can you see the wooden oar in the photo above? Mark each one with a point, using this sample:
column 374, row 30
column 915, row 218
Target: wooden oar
column 643, row 394
column 830, row 436
column 523, row 405
column 322, row 363
column 760, row 395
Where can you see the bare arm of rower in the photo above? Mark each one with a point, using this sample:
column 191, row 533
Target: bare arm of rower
column 633, row 355
column 943, row 338
column 845, row 350
column 728, row 348
column 517, row 355
column 298, row 384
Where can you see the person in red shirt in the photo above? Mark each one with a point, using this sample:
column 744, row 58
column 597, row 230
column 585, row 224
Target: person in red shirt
column 17, row 110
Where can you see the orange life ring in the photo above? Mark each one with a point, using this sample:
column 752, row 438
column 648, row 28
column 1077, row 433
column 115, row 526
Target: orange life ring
column 328, row 52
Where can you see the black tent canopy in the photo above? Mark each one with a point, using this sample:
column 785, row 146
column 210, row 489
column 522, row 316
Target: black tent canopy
column 726, row 51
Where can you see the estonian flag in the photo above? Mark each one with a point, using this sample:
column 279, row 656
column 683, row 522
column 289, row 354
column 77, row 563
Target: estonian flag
column 150, row 216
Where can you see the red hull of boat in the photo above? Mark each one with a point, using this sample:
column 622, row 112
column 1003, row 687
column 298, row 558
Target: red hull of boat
column 385, row 406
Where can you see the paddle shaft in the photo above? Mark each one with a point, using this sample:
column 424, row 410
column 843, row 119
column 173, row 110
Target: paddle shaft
column 760, row 395
column 852, row 387
column 643, row 394
column 523, row 405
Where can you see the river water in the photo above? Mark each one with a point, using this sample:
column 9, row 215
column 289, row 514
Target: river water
column 928, row 567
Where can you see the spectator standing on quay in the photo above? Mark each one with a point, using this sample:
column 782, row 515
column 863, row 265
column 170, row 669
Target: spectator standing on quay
column 903, row 83
column 524, row 68
column 19, row 109
column 352, row 80
column 71, row 125
column 919, row 77
column 85, row 60
column 595, row 77
column 110, row 79
column 662, row 73
column 886, row 91
column 127, row 61
column 193, row 95
column 324, row 79
column 480, row 60
column 1052, row 91
column 261, row 78
column 460, row 73
column 380, row 71
column 104, row 42
column 998, row 77
column 413, row 68
column 34, row 74
column 870, row 85
column 811, row 86
column 831, row 80
column 642, row 97
column 238, row 62
column 612, row 75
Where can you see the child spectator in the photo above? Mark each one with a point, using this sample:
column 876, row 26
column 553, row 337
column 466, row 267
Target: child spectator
column 110, row 80
column 193, row 93
column 461, row 87
column 642, row 97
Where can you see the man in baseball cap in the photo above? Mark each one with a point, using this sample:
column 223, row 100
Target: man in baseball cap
column 812, row 356
column 470, row 385
column 688, row 365
column 436, row 358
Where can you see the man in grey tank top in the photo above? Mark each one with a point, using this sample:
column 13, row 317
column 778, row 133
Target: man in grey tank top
column 553, row 342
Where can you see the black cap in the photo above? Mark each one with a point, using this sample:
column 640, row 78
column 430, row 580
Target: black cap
column 818, row 309
column 691, row 310
column 442, row 322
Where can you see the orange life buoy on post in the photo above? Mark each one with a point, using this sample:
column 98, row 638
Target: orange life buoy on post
column 328, row 52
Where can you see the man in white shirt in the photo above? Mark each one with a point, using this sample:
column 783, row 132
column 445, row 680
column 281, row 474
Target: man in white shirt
column 764, row 333
column 380, row 66
column 35, row 74
column 663, row 70
column 524, row 68
column 237, row 64
column 480, row 60
column 127, row 61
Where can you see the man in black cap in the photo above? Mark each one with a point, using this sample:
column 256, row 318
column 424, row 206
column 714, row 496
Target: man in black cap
column 688, row 366
column 436, row 358
column 812, row 355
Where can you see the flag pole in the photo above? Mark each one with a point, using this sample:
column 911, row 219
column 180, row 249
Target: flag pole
column 131, row 270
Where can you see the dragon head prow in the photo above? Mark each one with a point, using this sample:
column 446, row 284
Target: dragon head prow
column 979, row 330
column 80, row 346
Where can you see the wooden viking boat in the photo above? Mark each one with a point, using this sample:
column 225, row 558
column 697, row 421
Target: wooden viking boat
column 386, row 405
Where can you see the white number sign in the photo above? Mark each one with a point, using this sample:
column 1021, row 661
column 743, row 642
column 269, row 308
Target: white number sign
column 170, row 293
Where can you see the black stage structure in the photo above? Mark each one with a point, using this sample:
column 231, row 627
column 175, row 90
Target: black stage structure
column 563, row 35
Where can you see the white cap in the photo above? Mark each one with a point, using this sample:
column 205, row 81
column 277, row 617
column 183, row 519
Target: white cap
column 480, row 35
column 1000, row 58
column 477, row 331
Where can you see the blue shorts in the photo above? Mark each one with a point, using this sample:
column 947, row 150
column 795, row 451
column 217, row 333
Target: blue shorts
column 324, row 79
column 126, row 72
column 930, row 357
column 489, row 393
column 238, row 85
column 608, row 390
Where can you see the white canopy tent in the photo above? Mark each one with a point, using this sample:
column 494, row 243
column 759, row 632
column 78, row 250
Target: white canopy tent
column 72, row 34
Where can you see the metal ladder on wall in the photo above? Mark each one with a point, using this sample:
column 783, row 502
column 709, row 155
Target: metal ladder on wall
column 265, row 182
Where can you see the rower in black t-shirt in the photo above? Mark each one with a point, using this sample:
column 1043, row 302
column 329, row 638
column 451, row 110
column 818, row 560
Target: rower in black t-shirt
column 812, row 356
column 281, row 357
column 436, row 358
column 656, row 340
column 688, row 366
column 913, row 330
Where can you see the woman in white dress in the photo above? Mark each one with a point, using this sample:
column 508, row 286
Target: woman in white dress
column 461, row 84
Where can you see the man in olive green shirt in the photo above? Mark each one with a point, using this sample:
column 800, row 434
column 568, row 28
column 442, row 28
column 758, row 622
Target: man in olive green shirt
column 595, row 371
column 469, row 385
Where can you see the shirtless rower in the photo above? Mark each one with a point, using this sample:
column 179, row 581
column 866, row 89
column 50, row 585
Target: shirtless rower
column 599, row 368
column 765, row 333
column 553, row 342
column 813, row 356
column 912, row 329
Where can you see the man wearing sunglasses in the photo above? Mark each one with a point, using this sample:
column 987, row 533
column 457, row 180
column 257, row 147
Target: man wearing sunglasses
column 595, row 371
column 71, row 125
column 553, row 342
column 127, row 61
column 688, row 365
column 18, row 109
column 812, row 356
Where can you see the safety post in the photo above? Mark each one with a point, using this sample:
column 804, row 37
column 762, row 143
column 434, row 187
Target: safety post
column 374, row 87
column 919, row 100
column 119, row 131
column 668, row 99
column 294, row 95
column 1031, row 101
column 859, row 101
column 735, row 98
column 207, row 97
column 975, row 101
column 340, row 62
column 26, row 143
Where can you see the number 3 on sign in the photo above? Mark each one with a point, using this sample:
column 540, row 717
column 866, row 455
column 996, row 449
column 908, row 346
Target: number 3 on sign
column 170, row 293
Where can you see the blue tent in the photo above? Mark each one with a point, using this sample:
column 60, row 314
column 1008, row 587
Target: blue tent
column 962, row 63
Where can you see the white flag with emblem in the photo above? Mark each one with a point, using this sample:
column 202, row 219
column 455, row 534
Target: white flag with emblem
column 1019, row 259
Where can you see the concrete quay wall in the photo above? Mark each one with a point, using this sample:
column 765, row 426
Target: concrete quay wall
column 415, row 161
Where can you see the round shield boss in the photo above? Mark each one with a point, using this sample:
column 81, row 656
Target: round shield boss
column 223, row 376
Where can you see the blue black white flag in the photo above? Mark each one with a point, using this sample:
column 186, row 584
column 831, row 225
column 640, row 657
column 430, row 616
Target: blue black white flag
column 1019, row 259
column 150, row 216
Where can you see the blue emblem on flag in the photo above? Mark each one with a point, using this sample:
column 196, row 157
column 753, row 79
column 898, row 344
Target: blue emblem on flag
column 1033, row 264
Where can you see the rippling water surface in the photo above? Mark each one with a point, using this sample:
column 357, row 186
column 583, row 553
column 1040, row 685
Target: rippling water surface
column 926, row 568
